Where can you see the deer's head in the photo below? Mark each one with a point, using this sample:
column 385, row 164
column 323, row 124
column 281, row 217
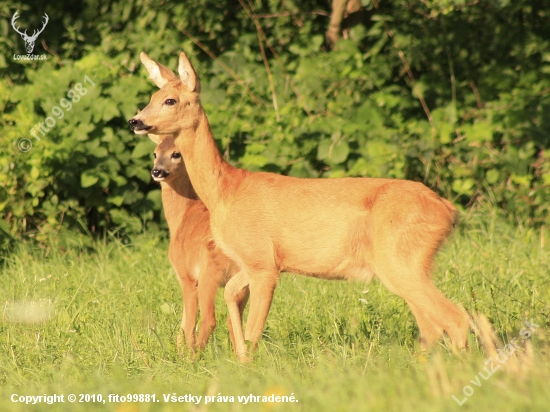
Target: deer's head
column 176, row 106
column 168, row 161
column 29, row 40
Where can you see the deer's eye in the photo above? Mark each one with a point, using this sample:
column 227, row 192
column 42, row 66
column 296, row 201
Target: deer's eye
column 170, row 102
column 154, row 155
column 176, row 155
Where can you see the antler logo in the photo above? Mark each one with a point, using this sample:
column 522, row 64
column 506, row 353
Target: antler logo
column 29, row 40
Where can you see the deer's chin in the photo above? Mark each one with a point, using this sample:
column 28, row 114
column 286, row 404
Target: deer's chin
column 159, row 179
column 143, row 131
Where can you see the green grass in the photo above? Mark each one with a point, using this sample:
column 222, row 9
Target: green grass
column 105, row 319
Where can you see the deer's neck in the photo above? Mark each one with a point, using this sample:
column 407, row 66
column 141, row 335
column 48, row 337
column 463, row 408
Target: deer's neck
column 177, row 198
column 210, row 173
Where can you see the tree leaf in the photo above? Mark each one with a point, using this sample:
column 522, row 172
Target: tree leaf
column 88, row 178
column 143, row 148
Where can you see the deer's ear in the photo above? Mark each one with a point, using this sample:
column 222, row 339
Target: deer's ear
column 157, row 72
column 155, row 138
column 187, row 74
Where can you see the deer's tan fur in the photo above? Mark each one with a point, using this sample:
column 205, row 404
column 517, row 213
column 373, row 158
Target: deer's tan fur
column 349, row 228
column 200, row 265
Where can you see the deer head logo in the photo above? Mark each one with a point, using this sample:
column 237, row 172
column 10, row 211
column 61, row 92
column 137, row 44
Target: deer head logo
column 29, row 40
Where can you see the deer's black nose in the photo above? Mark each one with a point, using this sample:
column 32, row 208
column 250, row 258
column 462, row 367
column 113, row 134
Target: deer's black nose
column 158, row 173
column 134, row 123
column 137, row 126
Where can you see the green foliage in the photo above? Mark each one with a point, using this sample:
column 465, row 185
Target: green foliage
column 482, row 69
column 85, row 171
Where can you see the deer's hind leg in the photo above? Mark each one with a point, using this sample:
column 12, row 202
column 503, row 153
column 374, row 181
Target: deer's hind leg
column 430, row 332
column 434, row 313
column 405, row 267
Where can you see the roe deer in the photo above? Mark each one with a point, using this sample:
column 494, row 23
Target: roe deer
column 347, row 228
column 201, row 267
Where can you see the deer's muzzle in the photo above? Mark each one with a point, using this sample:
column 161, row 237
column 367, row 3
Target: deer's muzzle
column 137, row 125
column 158, row 174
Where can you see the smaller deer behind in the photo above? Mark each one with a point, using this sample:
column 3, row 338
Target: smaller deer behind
column 200, row 265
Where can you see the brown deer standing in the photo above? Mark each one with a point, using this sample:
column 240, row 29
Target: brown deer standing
column 349, row 228
column 201, row 267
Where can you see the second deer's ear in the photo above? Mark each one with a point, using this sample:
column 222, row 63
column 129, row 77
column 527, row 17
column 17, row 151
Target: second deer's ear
column 155, row 138
column 187, row 74
column 157, row 72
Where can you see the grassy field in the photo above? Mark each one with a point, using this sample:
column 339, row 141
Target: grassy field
column 104, row 320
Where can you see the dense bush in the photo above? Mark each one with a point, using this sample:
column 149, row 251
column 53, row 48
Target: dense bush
column 451, row 93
